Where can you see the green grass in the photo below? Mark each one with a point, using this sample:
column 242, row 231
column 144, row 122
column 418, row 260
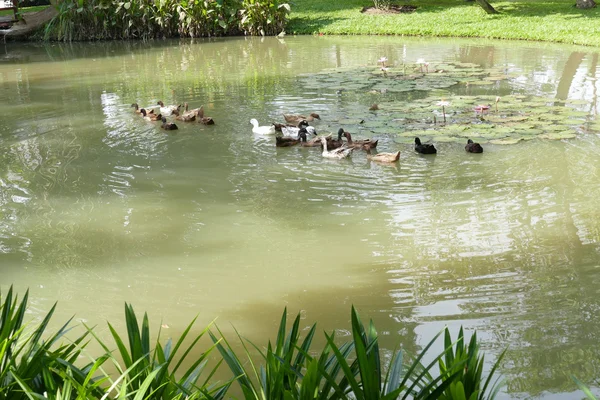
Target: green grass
column 544, row 20
column 23, row 10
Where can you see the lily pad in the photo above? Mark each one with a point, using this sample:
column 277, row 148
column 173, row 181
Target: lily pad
column 506, row 141
column 558, row 135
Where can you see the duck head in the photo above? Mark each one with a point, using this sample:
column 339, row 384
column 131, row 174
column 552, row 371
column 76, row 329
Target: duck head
column 143, row 111
column 315, row 115
column 160, row 103
column 163, row 119
column 469, row 141
column 340, row 133
column 254, row 122
column 303, row 124
column 135, row 105
column 417, row 141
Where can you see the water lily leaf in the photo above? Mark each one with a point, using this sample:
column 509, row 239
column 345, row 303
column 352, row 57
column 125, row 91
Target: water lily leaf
column 481, row 83
column 505, row 119
column 558, row 135
column 575, row 113
column 506, row 141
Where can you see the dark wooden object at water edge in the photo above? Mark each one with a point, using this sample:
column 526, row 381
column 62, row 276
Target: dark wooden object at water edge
column 29, row 23
column 9, row 5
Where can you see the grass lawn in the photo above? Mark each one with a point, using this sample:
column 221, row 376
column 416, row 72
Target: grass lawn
column 23, row 10
column 545, row 20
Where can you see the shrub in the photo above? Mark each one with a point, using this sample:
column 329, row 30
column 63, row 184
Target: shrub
column 145, row 19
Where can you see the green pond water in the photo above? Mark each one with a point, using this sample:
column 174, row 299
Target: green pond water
column 99, row 207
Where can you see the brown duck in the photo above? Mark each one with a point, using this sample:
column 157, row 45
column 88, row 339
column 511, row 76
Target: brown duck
column 296, row 118
column 381, row 157
column 168, row 126
column 358, row 144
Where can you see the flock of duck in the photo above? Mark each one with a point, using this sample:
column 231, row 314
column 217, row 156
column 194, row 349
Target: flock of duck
column 295, row 131
column 298, row 125
column 197, row 114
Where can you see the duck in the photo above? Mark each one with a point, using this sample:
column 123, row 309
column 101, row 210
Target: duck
column 293, row 131
column 381, row 157
column 168, row 110
column 335, row 143
column 136, row 108
column 473, row 147
column 286, row 141
column 316, row 142
column 201, row 118
column 424, row 148
column 296, row 118
column 358, row 144
column 187, row 116
column 340, row 153
column 279, row 127
column 168, row 126
column 262, row 130
column 149, row 116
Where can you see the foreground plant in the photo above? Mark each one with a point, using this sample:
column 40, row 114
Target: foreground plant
column 28, row 360
column 353, row 370
column 159, row 370
column 33, row 368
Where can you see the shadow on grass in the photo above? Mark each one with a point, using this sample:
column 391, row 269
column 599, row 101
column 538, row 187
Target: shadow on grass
column 309, row 25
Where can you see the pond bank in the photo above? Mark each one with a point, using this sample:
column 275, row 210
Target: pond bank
column 553, row 21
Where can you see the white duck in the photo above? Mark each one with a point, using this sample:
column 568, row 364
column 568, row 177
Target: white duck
column 293, row 131
column 342, row 152
column 168, row 110
column 262, row 130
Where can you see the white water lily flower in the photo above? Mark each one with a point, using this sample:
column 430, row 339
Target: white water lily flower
column 421, row 61
column 382, row 60
column 443, row 103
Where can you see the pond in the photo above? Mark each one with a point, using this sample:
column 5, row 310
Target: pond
column 99, row 207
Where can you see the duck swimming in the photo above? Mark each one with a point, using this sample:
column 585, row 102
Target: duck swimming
column 424, row 148
column 150, row 116
column 473, row 147
column 187, row 116
column 296, row 118
column 293, row 131
column 340, row 153
column 168, row 110
column 168, row 126
column 381, row 157
column 358, row 144
column 262, row 130
column 316, row 142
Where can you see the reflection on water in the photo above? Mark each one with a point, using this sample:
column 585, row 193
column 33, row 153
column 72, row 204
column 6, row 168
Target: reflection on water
column 98, row 207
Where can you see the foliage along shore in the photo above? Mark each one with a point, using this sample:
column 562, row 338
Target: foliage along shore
column 147, row 19
column 552, row 21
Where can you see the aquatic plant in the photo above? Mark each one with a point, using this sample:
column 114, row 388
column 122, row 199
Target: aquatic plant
column 521, row 117
column 31, row 361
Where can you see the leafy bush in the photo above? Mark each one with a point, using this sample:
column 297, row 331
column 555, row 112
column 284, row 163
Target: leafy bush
column 145, row 19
